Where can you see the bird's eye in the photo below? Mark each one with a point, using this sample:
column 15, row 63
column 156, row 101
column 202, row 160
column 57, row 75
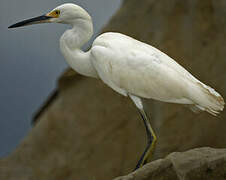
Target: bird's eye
column 57, row 12
column 54, row 14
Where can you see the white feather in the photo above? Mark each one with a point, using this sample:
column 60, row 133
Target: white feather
column 132, row 67
column 129, row 66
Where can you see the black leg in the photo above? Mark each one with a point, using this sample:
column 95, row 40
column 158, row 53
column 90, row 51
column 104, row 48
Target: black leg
column 151, row 140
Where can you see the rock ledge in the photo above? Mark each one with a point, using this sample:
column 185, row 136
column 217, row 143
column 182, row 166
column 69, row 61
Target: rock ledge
column 201, row 163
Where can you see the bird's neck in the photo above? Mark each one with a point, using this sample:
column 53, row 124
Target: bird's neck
column 70, row 44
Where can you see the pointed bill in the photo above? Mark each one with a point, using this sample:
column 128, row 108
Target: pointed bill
column 36, row 20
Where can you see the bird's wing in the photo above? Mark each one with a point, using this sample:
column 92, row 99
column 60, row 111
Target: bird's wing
column 130, row 66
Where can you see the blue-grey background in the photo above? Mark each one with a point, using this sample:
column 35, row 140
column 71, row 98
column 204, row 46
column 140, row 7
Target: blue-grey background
column 31, row 62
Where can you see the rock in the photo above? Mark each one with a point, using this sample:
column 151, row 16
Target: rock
column 196, row 164
column 77, row 133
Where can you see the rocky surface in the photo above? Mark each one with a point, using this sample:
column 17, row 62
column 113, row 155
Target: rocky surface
column 90, row 132
column 196, row 164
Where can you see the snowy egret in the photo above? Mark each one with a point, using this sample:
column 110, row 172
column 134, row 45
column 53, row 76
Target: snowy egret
column 130, row 67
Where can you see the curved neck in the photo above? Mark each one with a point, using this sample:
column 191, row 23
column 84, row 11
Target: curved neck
column 71, row 42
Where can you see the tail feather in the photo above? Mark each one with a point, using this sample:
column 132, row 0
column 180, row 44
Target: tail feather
column 198, row 109
column 209, row 100
column 214, row 113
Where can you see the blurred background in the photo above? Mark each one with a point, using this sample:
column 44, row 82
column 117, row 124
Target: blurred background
column 31, row 61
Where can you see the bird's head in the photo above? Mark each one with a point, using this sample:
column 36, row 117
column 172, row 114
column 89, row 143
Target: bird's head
column 66, row 13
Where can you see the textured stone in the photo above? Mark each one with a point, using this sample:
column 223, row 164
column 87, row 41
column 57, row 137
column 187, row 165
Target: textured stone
column 196, row 164
column 88, row 126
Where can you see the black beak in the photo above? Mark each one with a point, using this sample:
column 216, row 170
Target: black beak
column 36, row 20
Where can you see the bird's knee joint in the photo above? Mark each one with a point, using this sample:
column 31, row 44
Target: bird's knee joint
column 152, row 139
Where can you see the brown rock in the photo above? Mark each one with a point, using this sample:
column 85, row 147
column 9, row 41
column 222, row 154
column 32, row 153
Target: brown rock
column 79, row 136
column 196, row 164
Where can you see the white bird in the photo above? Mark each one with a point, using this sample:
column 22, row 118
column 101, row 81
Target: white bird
column 130, row 67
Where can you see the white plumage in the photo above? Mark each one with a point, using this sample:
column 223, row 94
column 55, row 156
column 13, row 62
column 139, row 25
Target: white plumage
column 128, row 66
column 131, row 67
